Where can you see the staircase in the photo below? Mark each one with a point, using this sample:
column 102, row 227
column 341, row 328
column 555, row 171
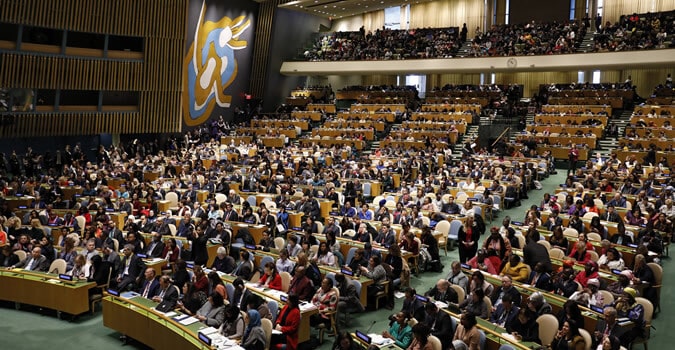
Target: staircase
column 611, row 143
column 464, row 49
column 587, row 43
column 471, row 134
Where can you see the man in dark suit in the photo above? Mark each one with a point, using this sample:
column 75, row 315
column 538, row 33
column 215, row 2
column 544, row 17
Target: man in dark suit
column 130, row 270
column 607, row 327
column 167, row 293
column 197, row 210
column 534, row 252
column 241, row 294
column 244, row 268
column 34, row 262
column 198, row 239
column 611, row 215
column 553, row 220
column 124, row 206
column 440, row 324
column 506, row 288
column 150, row 287
column 269, row 221
column 505, row 312
column 156, row 246
column 411, row 305
column 443, row 293
column 539, row 278
column 230, row 214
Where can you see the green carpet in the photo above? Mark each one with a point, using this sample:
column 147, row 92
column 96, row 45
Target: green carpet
column 30, row 329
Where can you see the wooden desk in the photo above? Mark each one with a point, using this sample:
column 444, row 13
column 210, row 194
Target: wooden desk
column 356, row 115
column 277, row 142
column 328, row 108
column 421, row 125
column 301, row 115
column 35, row 288
column 269, row 123
column 355, row 124
column 412, row 144
column 451, row 108
column 358, row 144
column 558, row 152
column 368, row 134
column 575, row 108
column 136, row 319
column 614, row 102
column 16, row 202
column 373, row 108
column 569, row 119
column 572, row 130
column 150, row 175
column 557, row 139
column 69, row 192
column 445, row 117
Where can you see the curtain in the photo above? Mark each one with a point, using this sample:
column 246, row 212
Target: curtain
column 613, row 9
column 448, row 13
column 371, row 21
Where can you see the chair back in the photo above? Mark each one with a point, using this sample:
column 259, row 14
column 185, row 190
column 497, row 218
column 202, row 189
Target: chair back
column 81, row 223
column 267, row 328
column 570, row 232
column 350, row 254
column 455, row 225
column 548, row 327
column 607, row 297
column 220, row 198
column 58, row 266
column 461, row 294
column 521, row 240
column 172, row 229
column 349, row 233
column 252, row 201
column 285, row 280
column 265, row 259
column 274, row 309
column 443, row 227
column 331, row 276
column 649, row 309
column 594, row 236
column 556, row 253
column 482, row 340
column 477, row 210
column 590, row 215
column 588, row 341
column 488, row 302
column 435, row 343
column 546, row 244
column 229, row 287
column 594, row 255
column 319, row 227
column 172, row 197
column 21, row 254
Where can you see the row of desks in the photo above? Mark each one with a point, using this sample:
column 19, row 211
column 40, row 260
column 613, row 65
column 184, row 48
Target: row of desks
column 563, row 140
column 450, row 136
column 278, row 124
column 569, row 119
column 359, row 115
column 368, row 134
column 576, row 108
column 355, row 124
column 570, row 129
column 614, row 102
column 444, row 117
column 558, row 152
column 428, row 125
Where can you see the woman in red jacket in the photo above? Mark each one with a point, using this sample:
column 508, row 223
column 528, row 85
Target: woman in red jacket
column 288, row 323
column 271, row 278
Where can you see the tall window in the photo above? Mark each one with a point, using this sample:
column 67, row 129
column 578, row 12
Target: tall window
column 573, row 9
column 506, row 12
column 418, row 81
column 600, row 6
column 392, row 17
column 580, row 77
column 596, row 77
column 493, row 78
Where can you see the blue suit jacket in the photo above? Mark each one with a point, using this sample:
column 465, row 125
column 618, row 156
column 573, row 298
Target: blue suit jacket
column 154, row 288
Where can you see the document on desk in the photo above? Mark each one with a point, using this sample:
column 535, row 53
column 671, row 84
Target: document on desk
column 188, row 321
column 509, row 336
column 378, row 339
column 129, row 295
column 274, row 331
column 306, row 307
column 440, row 304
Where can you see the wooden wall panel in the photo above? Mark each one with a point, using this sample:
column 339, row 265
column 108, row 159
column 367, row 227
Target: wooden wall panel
column 157, row 78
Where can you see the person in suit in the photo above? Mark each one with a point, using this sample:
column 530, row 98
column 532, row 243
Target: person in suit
column 440, row 324
column 302, row 286
column 411, row 305
column 241, row 294
column 230, row 214
column 212, row 313
column 609, row 326
column 34, row 262
column 505, row 312
column 386, row 237
column 553, row 220
column 167, row 293
column 539, row 277
column 156, row 246
column 349, row 301
column 506, row 288
column 197, row 210
column 150, row 287
column 442, row 292
column 130, row 268
column 244, row 267
column 8, row 259
column 534, row 252
column 198, row 239
column 611, row 215
column 268, row 220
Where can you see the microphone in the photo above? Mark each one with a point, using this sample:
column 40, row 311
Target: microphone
column 371, row 327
